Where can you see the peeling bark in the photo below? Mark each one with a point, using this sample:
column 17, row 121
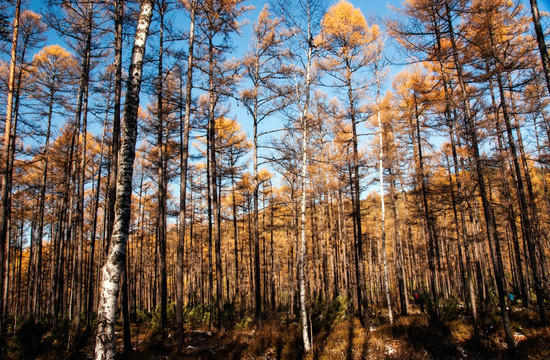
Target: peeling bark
column 105, row 341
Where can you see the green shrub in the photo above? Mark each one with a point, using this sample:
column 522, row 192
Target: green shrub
column 195, row 315
column 325, row 316
column 244, row 323
column 450, row 310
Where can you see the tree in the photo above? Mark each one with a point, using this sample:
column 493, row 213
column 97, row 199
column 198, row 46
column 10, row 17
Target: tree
column 184, row 155
column 347, row 41
column 53, row 70
column 105, row 341
column 7, row 155
column 541, row 41
column 263, row 66
column 217, row 19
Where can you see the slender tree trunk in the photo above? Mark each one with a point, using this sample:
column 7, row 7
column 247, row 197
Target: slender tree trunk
column 529, row 234
column 382, row 200
column 5, row 206
column 41, row 205
column 184, row 154
column 304, row 113
column 115, row 142
column 161, row 196
column 113, row 266
column 541, row 42
column 257, row 282
column 79, row 277
column 215, row 206
column 362, row 302
column 428, row 217
column 302, row 251
column 492, row 235
column 90, row 287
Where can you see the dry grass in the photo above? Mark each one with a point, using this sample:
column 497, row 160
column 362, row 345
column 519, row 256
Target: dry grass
column 410, row 337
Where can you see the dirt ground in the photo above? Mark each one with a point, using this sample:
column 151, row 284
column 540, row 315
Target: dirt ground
column 410, row 337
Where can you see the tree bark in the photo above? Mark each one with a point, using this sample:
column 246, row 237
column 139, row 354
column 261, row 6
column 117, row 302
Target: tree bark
column 184, row 154
column 541, row 41
column 111, row 271
column 5, row 206
column 492, row 235
column 162, row 182
column 382, row 200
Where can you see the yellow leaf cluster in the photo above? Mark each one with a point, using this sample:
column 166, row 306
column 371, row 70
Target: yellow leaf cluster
column 345, row 26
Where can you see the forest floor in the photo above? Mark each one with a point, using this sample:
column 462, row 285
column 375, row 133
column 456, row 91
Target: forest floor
column 411, row 337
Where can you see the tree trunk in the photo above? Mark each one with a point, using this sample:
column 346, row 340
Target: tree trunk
column 115, row 142
column 105, row 348
column 302, row 250
column 184, row 154
column 541, row 42
column 5, row 206
column 382, row 200
column 428, row 217
column 161, row 195
column 492, row 235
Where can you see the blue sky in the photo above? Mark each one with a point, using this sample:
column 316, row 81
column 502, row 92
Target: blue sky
column 372, row 10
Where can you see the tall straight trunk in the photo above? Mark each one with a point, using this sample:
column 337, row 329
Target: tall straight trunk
column 303, row 250
column 541, row 41
column 257, row 282
column 398, row 245
column 508, row 202
column 428, row 217
column 235, row 235
column 5, row 206
column 492, row 234
column 90, row 288
column 468, row 274
column 529, row 233
column 304, row 113
column 80, row 200
column 184, row 154
column 382, row 200
column 105, row 341
column 271, row 231
column 215, row 206
column 41, row 206
column 161, row 195
column 362, row 302
column 115, row 141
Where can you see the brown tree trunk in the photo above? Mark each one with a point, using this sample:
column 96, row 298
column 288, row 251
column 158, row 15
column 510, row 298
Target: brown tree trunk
column 541, row 41
column 492, row 235
column 184, row 154
column 5, row 206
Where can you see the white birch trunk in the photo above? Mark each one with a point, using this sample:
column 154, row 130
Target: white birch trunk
column 303, row 250
column 382, row 202
column 105, row 341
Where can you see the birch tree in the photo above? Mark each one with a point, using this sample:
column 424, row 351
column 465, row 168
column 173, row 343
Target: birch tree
column 105, row 340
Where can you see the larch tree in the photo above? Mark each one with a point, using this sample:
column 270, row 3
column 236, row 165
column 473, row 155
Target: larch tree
column 348, row 42
column 264, row 66
column 54, row 70
column 302, row 17
column 216, row 21
column 541, row 41
column 6, row 160
column 185, row 120
column 500, row 43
